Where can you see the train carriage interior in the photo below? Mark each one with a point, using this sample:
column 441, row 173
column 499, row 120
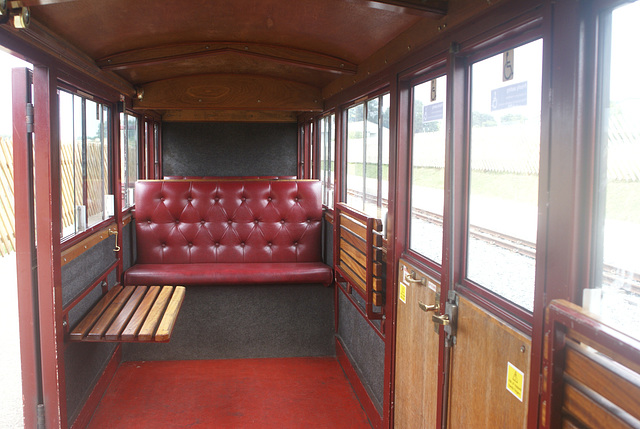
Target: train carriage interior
column 321, row 214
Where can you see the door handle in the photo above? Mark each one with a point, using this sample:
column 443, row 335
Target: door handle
column 441, row 319
column 411, row 278
column 428, row 308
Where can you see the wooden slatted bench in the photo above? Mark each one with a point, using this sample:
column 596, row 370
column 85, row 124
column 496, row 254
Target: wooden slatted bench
column 592, row 372
column 132, row 314
column 359, row 257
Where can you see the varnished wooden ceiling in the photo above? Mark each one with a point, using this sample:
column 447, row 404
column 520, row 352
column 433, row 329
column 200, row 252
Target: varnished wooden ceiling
column 231, row 55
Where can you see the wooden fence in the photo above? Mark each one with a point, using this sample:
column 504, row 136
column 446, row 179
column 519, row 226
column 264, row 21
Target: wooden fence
column 7, row 216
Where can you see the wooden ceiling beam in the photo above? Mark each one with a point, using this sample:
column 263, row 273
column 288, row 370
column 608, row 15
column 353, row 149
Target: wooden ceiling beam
column 229, row 92
column 172, row 53
column 428, row 8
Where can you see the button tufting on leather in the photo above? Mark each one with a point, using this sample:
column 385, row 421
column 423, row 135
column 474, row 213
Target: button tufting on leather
column 256, row 221
column 190, row 244
column 229, row 221
column 282, row 221
column 202, row 222
column 269, row 244
column 217, row 244
column 242, row 244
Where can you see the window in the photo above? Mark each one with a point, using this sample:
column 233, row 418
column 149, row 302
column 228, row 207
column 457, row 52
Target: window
column 503, row 177
column 85, row 163
column 367, row 181
column 616, row 284
column 130, row 157
column 427, row 167
column 327, row 158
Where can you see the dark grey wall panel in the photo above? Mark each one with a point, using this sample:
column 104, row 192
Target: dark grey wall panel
column 84, row 364
column 129, row 244
column 247, row 321
column 229, row 149
column 364, row 348
column 83, row 270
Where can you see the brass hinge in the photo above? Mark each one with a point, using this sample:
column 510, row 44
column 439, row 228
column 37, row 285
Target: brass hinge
column 40, row 412
column 29, row 117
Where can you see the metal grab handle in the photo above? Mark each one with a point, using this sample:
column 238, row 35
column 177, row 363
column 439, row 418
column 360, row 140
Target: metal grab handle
column 115, row 232
column 410, row 278
column 441, row 319
column 428, row 308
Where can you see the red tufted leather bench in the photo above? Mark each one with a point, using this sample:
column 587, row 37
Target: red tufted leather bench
column 226, row 177
column 228, row 232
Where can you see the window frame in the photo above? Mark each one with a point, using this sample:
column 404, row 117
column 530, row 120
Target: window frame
column 69, row 240
column 124, row 157
column 436, row 70
column 325, row 150
column 379, row 94
column 476, row 51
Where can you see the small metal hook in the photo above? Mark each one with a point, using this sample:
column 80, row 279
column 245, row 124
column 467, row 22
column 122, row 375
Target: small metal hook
column 115, row 232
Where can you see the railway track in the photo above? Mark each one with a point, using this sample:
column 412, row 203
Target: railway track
column 610, row 273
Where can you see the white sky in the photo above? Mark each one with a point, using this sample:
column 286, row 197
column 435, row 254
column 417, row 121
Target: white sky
column 7, row 62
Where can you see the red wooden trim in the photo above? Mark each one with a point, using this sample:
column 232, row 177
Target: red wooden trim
column 25, row 246
column 47, row 185
column 358, row 387
column 92, row 402
column 392, row 258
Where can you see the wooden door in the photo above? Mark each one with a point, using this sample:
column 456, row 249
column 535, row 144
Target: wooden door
column 489, row 372
column 416, row 350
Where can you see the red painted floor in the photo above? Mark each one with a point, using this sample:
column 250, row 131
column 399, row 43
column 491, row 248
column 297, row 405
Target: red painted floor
column 243, row 393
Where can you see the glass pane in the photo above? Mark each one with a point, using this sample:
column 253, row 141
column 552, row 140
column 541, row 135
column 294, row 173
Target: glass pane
column 67, row 180
column 78, row 166
column 503, row 187
column 383, row 158
column 371, row 138
column 327, row 140
column 355, row 157
column 620, row 138
column 427, row 167
column 95, row 163
column 132, row 157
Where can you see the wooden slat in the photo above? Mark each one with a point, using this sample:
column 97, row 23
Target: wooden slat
column 624, row 360
column 153, row 318
column 353, row 225
column 120, row 322
column 353, row 252
column 353, row 239
column 377, row 300
column 169, row 319
column 377, row 284
column 353, row 265
column 588, row 412
column 90, row 319
column 355, row 280
column 614, row 386
column 134, row 325
column 97, row 331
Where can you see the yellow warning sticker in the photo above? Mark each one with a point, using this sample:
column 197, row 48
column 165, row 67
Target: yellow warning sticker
column 515, row 381
column 403, row 292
